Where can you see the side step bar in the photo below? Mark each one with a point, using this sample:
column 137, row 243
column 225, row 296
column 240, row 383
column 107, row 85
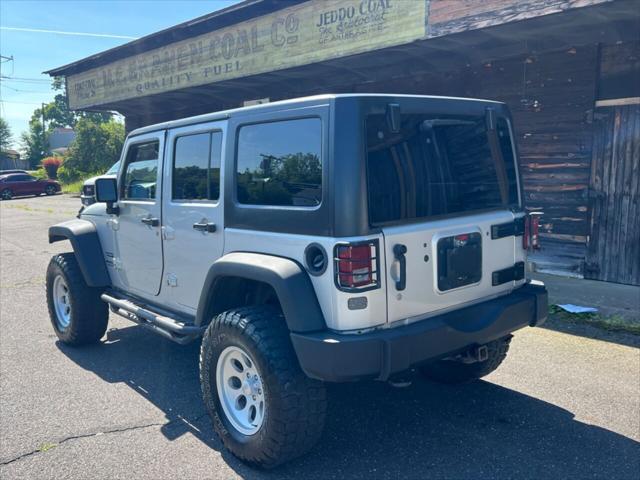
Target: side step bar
column 170, row 328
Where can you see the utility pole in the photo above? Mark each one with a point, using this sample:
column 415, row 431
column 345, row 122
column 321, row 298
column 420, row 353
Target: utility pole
column 44, row 133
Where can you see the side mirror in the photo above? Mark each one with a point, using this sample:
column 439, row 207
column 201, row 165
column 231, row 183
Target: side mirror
column 106, row 191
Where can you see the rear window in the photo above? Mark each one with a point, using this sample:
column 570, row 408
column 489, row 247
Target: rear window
column 279, row 163
column 437, row 166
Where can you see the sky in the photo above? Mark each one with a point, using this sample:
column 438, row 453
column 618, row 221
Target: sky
column 75, row 29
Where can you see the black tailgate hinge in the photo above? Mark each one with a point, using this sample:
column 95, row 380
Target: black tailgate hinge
column 508, row 274
column 508, row 229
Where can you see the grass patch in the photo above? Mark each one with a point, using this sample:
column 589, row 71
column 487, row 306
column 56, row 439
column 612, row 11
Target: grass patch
column 73, row 187
column 613, row 323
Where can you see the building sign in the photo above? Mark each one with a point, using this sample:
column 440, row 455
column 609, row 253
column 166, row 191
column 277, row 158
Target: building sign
column 306, row 33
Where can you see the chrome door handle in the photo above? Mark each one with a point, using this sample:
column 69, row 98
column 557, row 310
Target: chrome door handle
column 151, row 221
column 205, row 227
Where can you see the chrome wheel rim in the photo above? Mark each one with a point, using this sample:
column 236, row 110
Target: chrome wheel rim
column 240, row 390
column 61, row 303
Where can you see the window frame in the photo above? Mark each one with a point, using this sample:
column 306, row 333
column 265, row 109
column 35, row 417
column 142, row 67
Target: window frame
column 209, row 132
column 323, row 157
column 122, row 174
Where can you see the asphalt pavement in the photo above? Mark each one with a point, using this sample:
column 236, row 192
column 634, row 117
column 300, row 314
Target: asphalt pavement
column 566, row 402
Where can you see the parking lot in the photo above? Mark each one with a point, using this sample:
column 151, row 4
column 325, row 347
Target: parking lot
column 566, row 403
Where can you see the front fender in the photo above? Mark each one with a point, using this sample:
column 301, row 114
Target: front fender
column 289, row 280
column 86, row 246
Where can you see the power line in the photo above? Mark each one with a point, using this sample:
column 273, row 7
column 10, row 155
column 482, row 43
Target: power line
column 61, row 32
column 24, row 79
column 23, row 103
column 26, row 91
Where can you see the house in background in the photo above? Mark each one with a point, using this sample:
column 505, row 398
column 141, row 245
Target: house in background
column 60, row 139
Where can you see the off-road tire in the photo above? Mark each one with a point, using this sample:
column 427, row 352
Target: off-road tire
column 6, row 194
column 454, row 372
column 89, row 314
column 295, row 405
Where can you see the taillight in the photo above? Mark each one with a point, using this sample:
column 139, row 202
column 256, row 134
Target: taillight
column 356, row 266
column 531, row 236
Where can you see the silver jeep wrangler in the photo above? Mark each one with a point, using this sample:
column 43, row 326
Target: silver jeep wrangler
column 323, row 239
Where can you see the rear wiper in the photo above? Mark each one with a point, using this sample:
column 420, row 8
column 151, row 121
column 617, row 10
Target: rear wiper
column 444, row 122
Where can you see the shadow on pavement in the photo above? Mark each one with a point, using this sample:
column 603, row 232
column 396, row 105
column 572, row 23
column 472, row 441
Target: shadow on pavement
column 583, row 329
column 374, row 430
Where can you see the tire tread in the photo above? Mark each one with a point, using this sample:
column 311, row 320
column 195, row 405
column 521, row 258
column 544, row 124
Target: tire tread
column 90, row 315
column 299, row 413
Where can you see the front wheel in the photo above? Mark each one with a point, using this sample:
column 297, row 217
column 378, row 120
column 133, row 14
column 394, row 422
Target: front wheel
column 456, row 371
column 263, row 407
column 50, row 190
column 77, row 313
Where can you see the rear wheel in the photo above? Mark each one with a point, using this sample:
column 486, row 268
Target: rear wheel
column 77, row 313
column 6, row 194
column 264, row 408
column 457, row 371
column 50, row 190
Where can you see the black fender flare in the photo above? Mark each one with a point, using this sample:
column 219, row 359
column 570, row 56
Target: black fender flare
column 86, row 246
column 287, row 277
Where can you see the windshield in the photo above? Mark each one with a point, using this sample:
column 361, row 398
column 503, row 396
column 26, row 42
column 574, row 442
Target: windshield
column 114, row 168
column 437, row 166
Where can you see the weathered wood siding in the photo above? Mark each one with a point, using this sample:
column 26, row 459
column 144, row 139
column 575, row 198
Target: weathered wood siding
column 551, row 96
column 614, row 246
column 619, row 70
column 454, row 16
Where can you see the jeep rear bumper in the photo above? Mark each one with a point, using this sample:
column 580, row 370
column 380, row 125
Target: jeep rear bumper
column 337, row 357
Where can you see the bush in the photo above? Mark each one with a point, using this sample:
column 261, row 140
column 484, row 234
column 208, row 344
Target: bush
column 40, row 174
column 51, row 165
column 96, row 147
column 68, row 175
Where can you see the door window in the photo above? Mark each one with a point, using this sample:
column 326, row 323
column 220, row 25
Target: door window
column 279, row 163
column 196, row 167
column 141, row 175
column 21, row 178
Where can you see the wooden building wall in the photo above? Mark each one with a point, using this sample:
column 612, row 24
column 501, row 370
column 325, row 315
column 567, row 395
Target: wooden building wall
column 613, row 252
column 551, row 96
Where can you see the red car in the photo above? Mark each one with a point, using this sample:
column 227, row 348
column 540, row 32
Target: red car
column 17, row 184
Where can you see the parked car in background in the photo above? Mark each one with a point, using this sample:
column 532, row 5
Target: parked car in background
column 19, row 184
column 7, row 172
column 87, row 195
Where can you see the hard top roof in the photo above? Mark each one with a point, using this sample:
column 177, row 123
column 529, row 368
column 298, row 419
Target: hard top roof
column 284, row 104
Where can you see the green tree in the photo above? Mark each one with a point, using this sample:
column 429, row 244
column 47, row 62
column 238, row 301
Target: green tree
column 96, row 147
column 5, row 135
column 33, row 143
column 56, row 114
